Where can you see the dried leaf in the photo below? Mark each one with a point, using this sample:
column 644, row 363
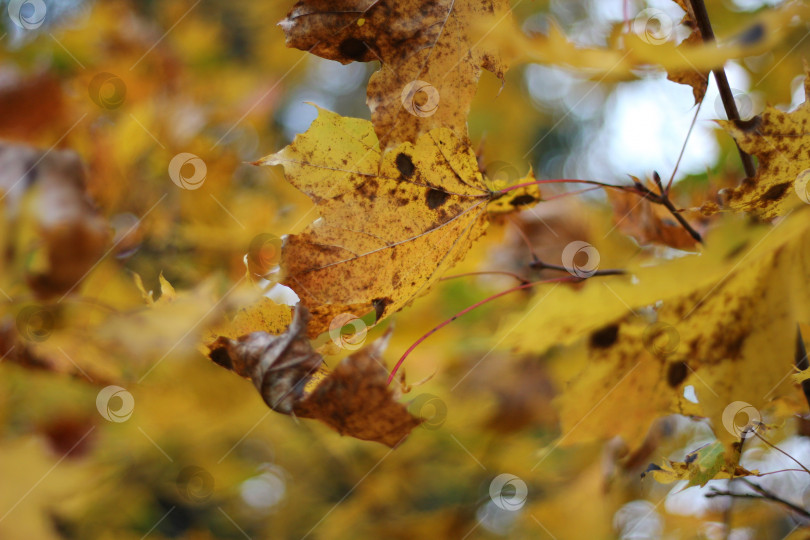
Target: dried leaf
column 698, row 80
column 30, row 106
column 354, row 399
column 430, row 53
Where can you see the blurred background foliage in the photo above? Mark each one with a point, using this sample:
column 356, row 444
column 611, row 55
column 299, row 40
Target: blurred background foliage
column 202, row 456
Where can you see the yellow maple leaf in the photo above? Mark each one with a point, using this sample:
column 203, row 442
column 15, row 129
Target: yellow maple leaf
column 390, row 224
column 430, row 51
column 723, row 321
column 779, row 140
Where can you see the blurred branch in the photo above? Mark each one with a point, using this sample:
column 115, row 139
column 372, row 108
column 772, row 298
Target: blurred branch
column 761, row 493
column 802, row 363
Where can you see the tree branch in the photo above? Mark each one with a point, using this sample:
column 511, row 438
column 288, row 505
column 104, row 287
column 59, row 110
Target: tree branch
column 762, row 494
column 663, row 199
column 706, row 32
column 802, row 363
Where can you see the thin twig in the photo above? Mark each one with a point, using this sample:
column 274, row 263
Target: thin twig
column 764, row 494
column 637, row 188
column 683, row 148
column 540, row 265
column 802, row 362
column 467, row 310
column 796, row 461
column 662, row 198
column 706, row 32
column 523, row 280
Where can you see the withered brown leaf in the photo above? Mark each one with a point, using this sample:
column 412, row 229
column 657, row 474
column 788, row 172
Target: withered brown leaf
column 698, row 80
column 354, row 399
column 431, row 54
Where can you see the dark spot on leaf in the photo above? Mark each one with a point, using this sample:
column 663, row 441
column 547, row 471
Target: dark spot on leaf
column 352, row 48
column 521, row 200
column 436, row 198
column 739, row 248
column 605, row 337
column 220, row 356
column 753, row 35
column 652, row 467
column 405, row 165
column 734, row 347
column 776, row 192
column 676, row 373
column 379, row 306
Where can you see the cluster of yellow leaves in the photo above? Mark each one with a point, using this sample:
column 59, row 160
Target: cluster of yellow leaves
column 708, row 462
column 391, row 222
column 629, row 52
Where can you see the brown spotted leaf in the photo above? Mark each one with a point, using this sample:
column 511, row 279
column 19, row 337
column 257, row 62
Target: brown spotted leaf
column 390, row 224
column 431, row 52
column 354, row 399
column 781, row 142
column 723, row 321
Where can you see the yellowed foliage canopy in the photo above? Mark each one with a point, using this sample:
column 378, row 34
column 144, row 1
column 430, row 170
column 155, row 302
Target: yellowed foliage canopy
column 629, row 52
column 390, row 223
column 433, row 42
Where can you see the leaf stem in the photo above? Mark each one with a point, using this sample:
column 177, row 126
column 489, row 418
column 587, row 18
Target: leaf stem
column 638, row 188
column 467, row 310
column 522, row 280
column 561, row 181
column 683, row 148
column 796, row 461
column 763, row 494
column 537, row 264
